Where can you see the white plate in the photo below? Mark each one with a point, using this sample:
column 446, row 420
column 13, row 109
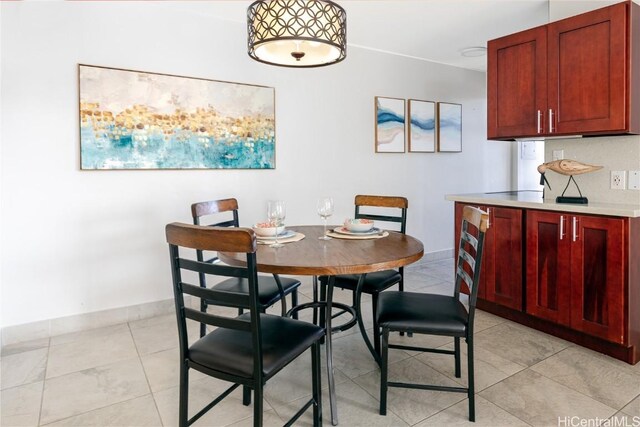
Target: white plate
column 343, row 230
column 283, row 235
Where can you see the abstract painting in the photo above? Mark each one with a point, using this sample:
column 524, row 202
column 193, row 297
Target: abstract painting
column 140, row 120
column 422, row 126
column 449, row 127
column 390, row 121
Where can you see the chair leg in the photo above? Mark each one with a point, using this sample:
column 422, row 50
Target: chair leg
column 183, row 411
column 471, row 380
column 294, row 302
column 257, row 405
column 246, row 395
column 456, row 349
column 203, row 326
column 376, row 328
column 316, row 384
column 383, row 371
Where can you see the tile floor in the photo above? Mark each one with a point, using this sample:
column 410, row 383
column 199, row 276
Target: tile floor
column 127, row 375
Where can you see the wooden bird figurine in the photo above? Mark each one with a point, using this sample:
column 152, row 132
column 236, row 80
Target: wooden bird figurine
column 567, row 167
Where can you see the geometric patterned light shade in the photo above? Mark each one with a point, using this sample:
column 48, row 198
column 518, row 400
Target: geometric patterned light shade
column 297, row 33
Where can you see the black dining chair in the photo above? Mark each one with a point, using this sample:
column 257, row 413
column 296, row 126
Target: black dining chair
column 434, row 314
column 247, row 350
column 272, row 289
column 376, row 282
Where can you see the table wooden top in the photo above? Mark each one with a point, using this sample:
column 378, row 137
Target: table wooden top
column 314, row 257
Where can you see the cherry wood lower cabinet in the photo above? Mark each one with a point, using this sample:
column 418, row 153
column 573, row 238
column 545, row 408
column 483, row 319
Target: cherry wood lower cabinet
column 576, row 272
column 501, row 268
column 573, row 276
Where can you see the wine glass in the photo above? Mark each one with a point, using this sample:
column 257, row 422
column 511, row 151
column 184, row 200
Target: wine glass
column 325, row 210
column 276, row 212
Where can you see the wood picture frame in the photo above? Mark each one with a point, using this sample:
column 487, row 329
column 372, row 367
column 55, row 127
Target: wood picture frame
column 390, row 120
column 422, row 126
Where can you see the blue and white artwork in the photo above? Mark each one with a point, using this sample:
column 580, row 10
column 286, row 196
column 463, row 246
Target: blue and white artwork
column 422, row 126
column 390, row 120
column 449, row 127
column 139, row 120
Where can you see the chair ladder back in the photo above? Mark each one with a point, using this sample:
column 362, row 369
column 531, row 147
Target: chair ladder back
column 200, row 209
column 477, row 219
column 383, row 202
column 209, row 238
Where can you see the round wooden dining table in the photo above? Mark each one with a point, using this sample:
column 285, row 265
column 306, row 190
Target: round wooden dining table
column 312, row 256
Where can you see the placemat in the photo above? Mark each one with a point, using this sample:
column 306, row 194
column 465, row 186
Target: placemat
column 294, row 238
column 352, row 237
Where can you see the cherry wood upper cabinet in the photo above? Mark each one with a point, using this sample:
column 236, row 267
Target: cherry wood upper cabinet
column 517, row 74
column 579, row 75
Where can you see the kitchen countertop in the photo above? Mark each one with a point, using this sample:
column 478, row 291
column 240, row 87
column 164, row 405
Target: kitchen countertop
column 533, row 200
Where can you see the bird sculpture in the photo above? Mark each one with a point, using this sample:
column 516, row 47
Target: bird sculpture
column 570, row 168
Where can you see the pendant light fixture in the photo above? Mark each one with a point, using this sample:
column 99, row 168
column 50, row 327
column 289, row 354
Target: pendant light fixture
column 297, row 33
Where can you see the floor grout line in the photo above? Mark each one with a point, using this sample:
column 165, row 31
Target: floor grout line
column 44, row 379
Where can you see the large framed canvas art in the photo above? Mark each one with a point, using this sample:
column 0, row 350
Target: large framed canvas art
column 141, row 120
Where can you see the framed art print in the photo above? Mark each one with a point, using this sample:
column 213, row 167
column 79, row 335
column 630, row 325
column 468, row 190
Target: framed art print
column 422, row 126
column 390, row 123
column 141, row 120
column 449, row 127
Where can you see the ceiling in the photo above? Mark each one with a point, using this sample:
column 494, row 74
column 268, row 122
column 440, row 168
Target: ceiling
column 433, row 30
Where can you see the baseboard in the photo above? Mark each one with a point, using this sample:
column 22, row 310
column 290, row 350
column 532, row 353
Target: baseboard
column 437, row 256
column 81, row 322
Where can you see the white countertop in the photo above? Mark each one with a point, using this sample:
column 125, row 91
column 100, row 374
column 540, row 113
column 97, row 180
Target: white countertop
column 533, row 200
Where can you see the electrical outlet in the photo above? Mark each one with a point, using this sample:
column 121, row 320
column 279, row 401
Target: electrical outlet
column 618, row 180
column 558, row 154
column 634, row 180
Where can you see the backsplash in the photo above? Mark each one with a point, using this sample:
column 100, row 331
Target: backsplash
column 619, row 153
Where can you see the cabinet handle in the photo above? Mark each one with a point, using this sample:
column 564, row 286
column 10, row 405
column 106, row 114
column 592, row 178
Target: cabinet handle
column 539, row 121
column 550, row 120
column 489, row 218
column 561, row 226
column 575, row 228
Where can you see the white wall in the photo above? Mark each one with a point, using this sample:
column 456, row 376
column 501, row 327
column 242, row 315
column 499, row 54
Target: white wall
column 81, row 241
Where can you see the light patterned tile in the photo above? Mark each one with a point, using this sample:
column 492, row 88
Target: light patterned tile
column 594, row 376
column 20, row 406
column 518, row 343
column 89, row 351
column 23, row 368
column 98, row 333
column 269, row 419
column 489, row 367
column 412, row 405
column 163, row 369
column 351, row 356
column 355, row 407
column 79, row 392
column 540, row 401
column 162, row 336
column 633, row 407
column 21, row 347
column 487, row 415
column 137, row 412
column 294, row 381
column 201, row 392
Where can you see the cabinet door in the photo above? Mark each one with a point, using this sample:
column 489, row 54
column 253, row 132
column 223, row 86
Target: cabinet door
column 516, row 86
column 587, row 72
column 598, row 276
column 503, row 257
column 548, row 266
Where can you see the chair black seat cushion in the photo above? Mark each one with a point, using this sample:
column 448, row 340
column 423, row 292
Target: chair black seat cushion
column 422, row 313
column 230, row 351
column 268, row 292
column 374, row 282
